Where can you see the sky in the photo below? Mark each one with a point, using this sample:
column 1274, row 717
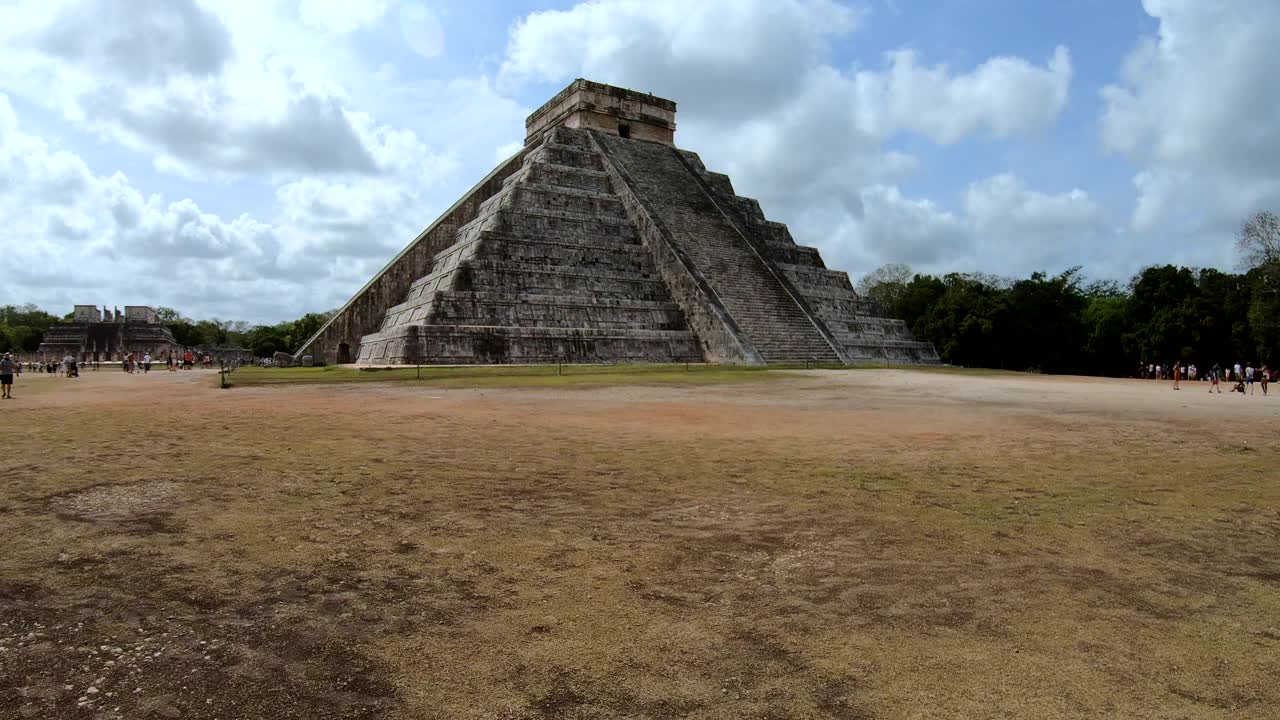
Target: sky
column 258, row 159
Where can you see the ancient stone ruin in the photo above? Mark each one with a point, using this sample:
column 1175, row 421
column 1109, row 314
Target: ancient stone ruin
column 106, row 335
column 600, row 241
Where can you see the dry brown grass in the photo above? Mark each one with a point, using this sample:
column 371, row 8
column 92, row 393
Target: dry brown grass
column 849, row 545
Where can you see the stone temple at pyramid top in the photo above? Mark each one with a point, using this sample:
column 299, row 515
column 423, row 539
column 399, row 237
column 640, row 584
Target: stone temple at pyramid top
column 600, row 241
column 611, row 110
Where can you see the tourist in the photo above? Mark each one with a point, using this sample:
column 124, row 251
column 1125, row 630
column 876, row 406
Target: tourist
column 1214, row 372
column 1177, row 374
column 1264, row 377
column 1248, row 376
column 146, row 362
column 6, row 377
column 188, row 360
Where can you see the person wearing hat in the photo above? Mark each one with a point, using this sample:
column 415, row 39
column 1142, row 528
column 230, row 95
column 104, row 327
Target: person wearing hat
column 6, row 376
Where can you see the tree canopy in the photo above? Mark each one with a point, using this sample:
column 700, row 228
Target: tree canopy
column 1060, row 324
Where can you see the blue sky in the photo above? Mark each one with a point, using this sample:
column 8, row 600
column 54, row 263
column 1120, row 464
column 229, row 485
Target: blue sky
column 257, row 159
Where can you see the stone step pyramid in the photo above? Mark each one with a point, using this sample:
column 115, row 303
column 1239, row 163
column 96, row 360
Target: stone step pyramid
column 602, row 242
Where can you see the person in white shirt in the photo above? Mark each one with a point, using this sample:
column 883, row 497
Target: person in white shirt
column 146, row 362
column 1248, row 377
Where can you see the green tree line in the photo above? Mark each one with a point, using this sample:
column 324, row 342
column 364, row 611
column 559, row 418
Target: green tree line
column 22, row 329
column 262, row 340
column 1064, row 324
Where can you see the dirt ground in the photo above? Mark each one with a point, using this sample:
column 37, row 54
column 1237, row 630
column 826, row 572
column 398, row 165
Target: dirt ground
column 833, row 544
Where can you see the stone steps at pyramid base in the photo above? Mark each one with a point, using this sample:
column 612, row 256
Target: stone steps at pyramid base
column 894, row 352
column 797, row 353
column 563, row 312
column 871, row 333
column 492, row 345
column 513, row 283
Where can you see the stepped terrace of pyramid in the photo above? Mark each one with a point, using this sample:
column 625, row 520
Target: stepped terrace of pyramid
column 601, row 241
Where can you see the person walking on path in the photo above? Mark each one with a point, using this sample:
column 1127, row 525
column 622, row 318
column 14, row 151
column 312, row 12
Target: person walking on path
column 1177, row 374
column 1265, row 372
column 1248, row 376
column 6, row 377
column 1213, row 378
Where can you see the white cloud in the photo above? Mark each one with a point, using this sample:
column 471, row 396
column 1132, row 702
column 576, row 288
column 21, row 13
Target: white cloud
column 899, row 229
column 74, row 236
column 176, row 80
column 1032, row 230
column 1005, row 95
column 155, row 39
column 680, row 50
column 1195, row 109
column 421, row 30
column 70, row 231
column 1004, row 228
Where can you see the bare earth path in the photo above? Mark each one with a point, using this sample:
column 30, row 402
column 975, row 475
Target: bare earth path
column 866, row 544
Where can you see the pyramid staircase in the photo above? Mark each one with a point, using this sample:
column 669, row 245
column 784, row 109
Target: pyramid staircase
column 768, row 312
column 862, row 332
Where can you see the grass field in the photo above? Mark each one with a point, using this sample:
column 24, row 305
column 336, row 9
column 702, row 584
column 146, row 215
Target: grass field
column 870, row 544
column 547, row 376
column 507, row 376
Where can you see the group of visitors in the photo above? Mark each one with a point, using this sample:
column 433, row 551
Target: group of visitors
column 10, row 367
column 131, row 363
column 1243, row 379
column 67, row 367
column 173, row 361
